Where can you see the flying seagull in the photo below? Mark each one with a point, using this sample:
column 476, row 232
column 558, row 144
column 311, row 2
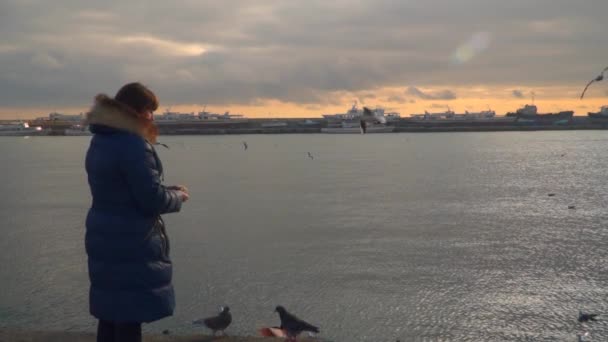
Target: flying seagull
column 310, row 156
column 292, row 325
column 219, row 322
column 161, row 144
column 586, row 317
column 245, row 146
column 597, row 79
column 363, row 126
column 367, row 115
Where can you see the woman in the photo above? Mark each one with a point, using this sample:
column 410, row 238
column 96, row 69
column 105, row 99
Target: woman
column 126, row 243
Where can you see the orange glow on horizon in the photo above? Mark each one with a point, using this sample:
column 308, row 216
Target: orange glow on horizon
column 393, row 99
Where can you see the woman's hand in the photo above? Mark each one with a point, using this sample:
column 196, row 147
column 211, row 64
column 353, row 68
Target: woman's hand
column 178, row 187
column 184, row 196
column 181, row 190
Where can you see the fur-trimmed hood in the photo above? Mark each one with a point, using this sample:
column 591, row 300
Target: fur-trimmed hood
column 109, row 112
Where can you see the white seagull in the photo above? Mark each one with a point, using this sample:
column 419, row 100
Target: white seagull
column 597, row 79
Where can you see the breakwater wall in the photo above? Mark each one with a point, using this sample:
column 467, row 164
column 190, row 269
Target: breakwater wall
column 306, row 126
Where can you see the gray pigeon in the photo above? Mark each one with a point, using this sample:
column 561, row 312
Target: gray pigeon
column 219, row 322
column 586, row 317
column 292, row 325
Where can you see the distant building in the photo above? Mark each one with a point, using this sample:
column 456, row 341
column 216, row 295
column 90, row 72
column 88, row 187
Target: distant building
column 65, row 117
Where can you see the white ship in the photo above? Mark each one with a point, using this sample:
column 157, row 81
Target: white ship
column 362, row 121
column 20, row 129
column 354, row 113
column 355, row 127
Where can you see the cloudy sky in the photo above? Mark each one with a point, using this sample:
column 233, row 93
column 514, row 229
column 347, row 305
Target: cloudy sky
column 304, row 58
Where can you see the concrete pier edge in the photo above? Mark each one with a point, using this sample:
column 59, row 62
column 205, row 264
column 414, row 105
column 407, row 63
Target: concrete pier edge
column 25, row 335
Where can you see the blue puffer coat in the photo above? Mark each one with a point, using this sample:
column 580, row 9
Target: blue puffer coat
column 128, row 249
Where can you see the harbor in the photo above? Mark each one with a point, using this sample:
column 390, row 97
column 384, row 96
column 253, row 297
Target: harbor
column 304, row 171
column 376, row 121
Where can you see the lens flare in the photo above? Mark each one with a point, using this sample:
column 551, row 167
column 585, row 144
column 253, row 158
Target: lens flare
column 478, row 42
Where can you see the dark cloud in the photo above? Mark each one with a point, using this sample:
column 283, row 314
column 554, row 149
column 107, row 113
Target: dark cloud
column 438, row 95
column 61, row 53
column 517, row 93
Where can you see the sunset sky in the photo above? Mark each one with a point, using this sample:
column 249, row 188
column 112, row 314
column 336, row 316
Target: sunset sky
column 282, row 58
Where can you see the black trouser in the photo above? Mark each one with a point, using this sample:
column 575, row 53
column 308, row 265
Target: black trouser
column 108, row 331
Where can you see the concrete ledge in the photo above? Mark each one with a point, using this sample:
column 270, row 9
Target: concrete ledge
column 16, row 335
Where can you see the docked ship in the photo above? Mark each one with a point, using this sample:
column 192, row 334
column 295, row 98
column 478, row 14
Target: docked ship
column 427, row 116
column 355, row 114
column 602, row 115
column 529, row 113
column 274, row 124
column 363, row 120
column 449, row 116
column 170, row 117
column 20, row 129
column 203, row 115
column 354, row 127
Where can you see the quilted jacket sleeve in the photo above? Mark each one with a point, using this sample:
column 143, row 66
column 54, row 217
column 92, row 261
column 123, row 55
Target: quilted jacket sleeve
column 140, row 168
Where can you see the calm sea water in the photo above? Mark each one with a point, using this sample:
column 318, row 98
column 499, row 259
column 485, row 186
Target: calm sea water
column 423, row 237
